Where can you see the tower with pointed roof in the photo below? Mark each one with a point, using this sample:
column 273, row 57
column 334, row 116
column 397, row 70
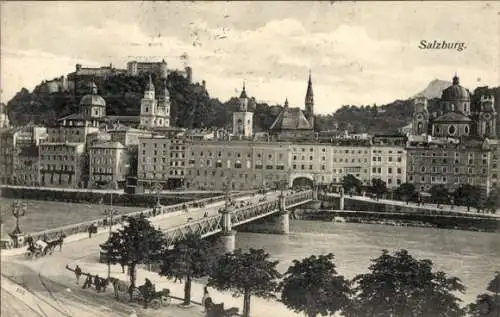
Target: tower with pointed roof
column 243, row 118
column 149, row 106
column 163, row 113
column 309, row 102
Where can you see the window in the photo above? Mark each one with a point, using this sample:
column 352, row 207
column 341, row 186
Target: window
column 452, row 130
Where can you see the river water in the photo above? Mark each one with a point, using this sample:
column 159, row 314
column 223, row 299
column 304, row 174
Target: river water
column 471, row 256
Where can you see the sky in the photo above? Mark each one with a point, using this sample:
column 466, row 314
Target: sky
column 358, row 52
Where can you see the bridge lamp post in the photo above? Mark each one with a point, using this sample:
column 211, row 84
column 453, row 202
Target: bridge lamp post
column 110, row 212
column 157, row 187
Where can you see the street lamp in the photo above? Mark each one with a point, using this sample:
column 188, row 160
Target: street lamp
column 157, row 187
column 18, row 209
column 109, row 213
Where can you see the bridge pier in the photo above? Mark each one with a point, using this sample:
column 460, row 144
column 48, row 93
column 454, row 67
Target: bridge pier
column 283, row 222
column 227, row 241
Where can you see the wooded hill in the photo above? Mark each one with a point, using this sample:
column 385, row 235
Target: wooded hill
column 192, row 106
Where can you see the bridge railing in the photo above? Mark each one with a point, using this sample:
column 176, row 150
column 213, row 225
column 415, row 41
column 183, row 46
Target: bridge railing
column 241, row 215
column 296, row 198
column 83, row 227
column 203, row 227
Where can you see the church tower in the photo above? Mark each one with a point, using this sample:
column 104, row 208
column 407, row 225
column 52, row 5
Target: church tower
column 420, row 121
column 163, row 114
column 148, row 106
column 487, row 117
column 243, row 118
column 309, row 103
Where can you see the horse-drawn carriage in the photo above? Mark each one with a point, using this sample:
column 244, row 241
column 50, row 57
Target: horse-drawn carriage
column 147, row 295
column 43, row 247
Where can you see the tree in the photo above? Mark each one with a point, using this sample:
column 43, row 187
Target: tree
column 492, row 202
column 400, row 285
column 137, row 242
column 249, row 273
column 351, row 184
column 190, row 258
column 113, row 248
column 312, row 286
column 486, row 304
column 439, row 194
column 379, row 187
column 406, row 191
column 467, row 195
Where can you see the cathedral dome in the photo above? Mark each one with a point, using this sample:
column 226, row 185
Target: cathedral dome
column 455, row 92
column 92, row 99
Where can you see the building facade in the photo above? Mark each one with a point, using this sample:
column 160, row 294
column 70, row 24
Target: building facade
column 62, row 164
column 454, row 146
column 109, row 164
column 12, row 143
column 135, row 68
column 26, row 166
column 241, row 164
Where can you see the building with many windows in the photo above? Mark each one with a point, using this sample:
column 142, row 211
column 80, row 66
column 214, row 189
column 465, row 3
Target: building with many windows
column 12, row 142
column 62, row 164
column 454, row 146
column 109, row 164
column 243, row 164
column 388, row 163
column 26, row 166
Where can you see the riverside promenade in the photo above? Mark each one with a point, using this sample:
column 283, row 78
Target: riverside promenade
column 47, row 275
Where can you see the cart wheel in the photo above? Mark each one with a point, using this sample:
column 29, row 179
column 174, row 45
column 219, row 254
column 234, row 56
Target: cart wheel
column 155, row 303
column 166, row 300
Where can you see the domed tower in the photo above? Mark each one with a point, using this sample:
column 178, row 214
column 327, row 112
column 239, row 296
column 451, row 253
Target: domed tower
column 420, row 120
column 149, row 106
column 163, row 113
column 456, row 120
column 92, row 105
column 309, row 103
column 243, row 118
column 456, row 98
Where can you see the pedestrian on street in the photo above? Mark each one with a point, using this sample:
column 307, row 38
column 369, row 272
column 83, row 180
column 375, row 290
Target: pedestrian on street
column 97, row 283
column 78, row 274
column 90, row 231
column 88, row 282
column 204, row 298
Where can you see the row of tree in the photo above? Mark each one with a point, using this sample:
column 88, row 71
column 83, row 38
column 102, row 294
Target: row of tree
column 396, row 284
column 465, row 195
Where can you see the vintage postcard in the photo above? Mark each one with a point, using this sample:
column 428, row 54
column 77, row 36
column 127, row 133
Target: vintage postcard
column 250, row 158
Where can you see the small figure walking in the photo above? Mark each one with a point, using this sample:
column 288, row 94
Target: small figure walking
column 204, row 298
column 78, row 274
column 97, row 283
column 88, row 282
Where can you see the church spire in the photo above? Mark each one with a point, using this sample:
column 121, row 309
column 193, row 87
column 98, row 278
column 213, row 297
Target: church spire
column 309, row 111
column 243, row 92
column 150, row 86
column 309, row 93
column 456, row 80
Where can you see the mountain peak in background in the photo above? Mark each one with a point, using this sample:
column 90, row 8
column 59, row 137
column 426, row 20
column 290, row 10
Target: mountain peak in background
column 434, row 89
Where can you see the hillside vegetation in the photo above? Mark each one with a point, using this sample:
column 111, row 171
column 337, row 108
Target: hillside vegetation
column 192, row 106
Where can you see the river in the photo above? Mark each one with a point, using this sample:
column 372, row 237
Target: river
column 471, row 256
